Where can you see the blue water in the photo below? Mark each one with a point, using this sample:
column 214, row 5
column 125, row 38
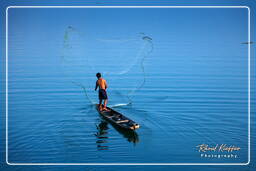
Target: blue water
column 181, row 97
column 50, row 119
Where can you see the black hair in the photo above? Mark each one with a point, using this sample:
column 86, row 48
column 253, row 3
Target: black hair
column 98, row 75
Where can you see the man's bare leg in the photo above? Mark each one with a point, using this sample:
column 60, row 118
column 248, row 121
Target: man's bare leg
column 105, row 104
column 100, row 106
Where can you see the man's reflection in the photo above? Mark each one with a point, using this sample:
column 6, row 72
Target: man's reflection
column 101, row 135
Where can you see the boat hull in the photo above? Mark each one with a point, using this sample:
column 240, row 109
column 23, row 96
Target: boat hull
column 118, row 119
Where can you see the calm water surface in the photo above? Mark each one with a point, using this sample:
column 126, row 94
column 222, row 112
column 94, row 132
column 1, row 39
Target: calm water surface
column 51, row 120
column 181, row 100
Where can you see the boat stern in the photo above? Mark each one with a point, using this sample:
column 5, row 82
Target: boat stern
column 135, row 126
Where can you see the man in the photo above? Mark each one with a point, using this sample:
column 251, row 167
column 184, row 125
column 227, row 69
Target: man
column 102, row 84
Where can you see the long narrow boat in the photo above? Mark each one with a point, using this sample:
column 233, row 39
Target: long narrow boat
column 118, row 119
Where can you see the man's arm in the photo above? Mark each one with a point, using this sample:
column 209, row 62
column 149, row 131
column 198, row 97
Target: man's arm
column 106, row 84
column 96, row 85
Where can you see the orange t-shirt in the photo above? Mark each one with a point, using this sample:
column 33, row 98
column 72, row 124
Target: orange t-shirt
column 102, row 83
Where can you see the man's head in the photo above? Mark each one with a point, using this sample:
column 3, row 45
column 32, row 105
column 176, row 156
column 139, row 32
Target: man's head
column 98, row 75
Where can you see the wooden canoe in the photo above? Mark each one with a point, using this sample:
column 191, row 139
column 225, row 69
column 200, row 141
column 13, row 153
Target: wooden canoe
column 118, row 119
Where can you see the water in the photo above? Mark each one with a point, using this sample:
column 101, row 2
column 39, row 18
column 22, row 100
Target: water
column 186, row 99
column 50, row 119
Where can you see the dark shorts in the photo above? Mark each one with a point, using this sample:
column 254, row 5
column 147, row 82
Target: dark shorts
column 102, row 94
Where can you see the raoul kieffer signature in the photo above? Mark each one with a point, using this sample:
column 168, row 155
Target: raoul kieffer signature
column 217, row 148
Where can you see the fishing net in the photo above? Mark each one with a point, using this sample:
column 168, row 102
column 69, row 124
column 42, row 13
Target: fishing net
column 119, row 60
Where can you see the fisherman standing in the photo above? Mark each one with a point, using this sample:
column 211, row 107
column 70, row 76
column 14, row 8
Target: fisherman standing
column 102, row 84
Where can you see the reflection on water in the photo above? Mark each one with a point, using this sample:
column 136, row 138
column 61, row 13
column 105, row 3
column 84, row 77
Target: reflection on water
column 102, row 135
column 131, row 136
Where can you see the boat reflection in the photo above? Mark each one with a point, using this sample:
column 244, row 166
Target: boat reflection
column 130, row 135
column 102, row 134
